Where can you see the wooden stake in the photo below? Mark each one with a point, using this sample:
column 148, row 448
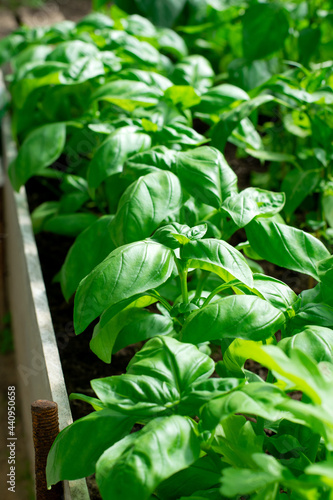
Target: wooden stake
column 45, row 428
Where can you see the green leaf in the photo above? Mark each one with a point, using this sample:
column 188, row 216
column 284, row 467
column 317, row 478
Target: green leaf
column 127, row 271
column 39, row 150
column 71, row 202
column 68, row 459
column 71, row 51
column 41, row 74
column 69, row 224
column 169, row 41
column 297, row 122
column 250, row 203
column 308, row 41
column 151, row 78
column 325, row 271
column 203, row 171
column 182, row 95
column 269, row 473
column 245, row 134
column 327, row 202
column 314, row 314
column 219, row 257
column 162, row 385
column 110, row 157
column 10, row 45
column 286, row 246
column 128, row 94
column 194, row 70
column 143, row 163
column 129, row 326
column 296, row 372
column 276, row 292
column 144, row 205
column 270, row 156
column 234, row 435
column 141, row 396
column 42, row 213
column 160, row 12
column 206, row 175
column 203, row 474
column 79, row 263
column 202, row 392
column 265, row 28
column 89, row 67
column 172, row 362
column 230, row 119
column 297, row 186
column 95, row 20
column 315, row 341
column 175, row 235
column 219, row 97
column 178, row 133
column 256, row 398
column 239, row 316
column 146, row 458
column 145, row 328
column 31, row 53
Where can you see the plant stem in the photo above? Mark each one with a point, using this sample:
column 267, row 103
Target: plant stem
column 161, row 299
column 183, row 285
column 260, row 425
column 201, row 281
column 269, row 377
column 219, row 289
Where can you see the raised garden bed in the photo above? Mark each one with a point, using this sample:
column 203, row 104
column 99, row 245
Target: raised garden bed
column 160, row 224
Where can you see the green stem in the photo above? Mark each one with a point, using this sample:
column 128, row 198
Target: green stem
column 260, row 425
column 183, row 285
column 201, row 281
column 219, row 289
column 211, row 214
column 270, row 377
column 161, row 299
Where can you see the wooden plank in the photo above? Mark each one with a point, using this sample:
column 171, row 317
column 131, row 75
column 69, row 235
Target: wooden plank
column 48, row 14
column 8, row 22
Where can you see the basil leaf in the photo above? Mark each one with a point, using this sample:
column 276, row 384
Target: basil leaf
column 315, row 341
column 135, row 458
column 129, row 326
column 79, row 263
column 127, row 271
column 39, row 150
column 127, row 94
column 218, row 257
column 105, row 426
column 265, row 28
column 250, row 203
column 206, row 175
column 230, row 119
column 286, row 246
column 239, row 316
column 141, row 208
column 110, row 157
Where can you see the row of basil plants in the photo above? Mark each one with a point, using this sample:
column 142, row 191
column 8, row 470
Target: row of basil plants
column 295, row 136
column 152, row 206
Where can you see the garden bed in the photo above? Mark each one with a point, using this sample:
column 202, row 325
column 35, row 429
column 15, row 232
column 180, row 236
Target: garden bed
column 169, row 256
